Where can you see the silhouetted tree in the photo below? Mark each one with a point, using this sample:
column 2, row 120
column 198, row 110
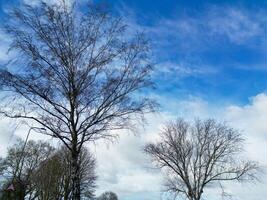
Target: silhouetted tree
column 52, row 179
column 108, row 196
column 79, row 74
column 19, row 166
column 198, row 155
column 45, row 172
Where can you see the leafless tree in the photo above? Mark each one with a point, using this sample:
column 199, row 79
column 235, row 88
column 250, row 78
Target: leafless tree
column 20, row 174
column 79, row 74
column 108, row 196
column 52, row 178
column 198, row 155
column 46, row 172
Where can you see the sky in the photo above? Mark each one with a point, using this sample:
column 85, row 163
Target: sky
column 210, row 61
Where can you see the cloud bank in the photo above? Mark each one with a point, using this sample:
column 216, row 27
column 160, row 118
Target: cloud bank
column 124, row 169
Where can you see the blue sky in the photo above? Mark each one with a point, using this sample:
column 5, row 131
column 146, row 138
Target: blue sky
column 210, row 61
column 214, row 49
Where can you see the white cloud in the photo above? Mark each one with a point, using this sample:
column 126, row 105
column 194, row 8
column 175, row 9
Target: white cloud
column 4, row 46
column 122, row 166
column 56, row 2
column 124, row 169
column 7, row 135
column 12, row 130
column 235, row 24
column 182, row 69
column 251, row 120
column 251, row 117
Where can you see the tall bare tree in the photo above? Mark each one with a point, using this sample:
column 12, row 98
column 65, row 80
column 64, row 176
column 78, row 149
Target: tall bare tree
column 79, row 73
column 198, row 155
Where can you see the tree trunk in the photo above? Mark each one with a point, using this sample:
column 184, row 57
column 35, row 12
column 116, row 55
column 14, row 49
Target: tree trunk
column 21, row 190
column 67, row 188
column 75, row 176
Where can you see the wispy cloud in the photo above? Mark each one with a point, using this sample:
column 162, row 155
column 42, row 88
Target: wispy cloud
column 235, row 24
column 238, row 25
column 4, row 46
column 182, row 70
column 194, row 45
column 57, row 2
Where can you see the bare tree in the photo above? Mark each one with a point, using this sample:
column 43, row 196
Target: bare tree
column 46, row 172
column 49, row 180
column 52, row 178
column 198, row 155
column 88, row 175
column 79, row 74
column 108, row 196
column 19, row 174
